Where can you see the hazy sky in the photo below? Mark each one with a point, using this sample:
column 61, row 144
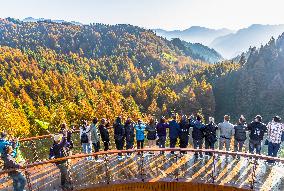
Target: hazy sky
column 166, row 14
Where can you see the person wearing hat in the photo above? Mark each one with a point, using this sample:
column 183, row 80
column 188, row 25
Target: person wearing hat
column 275, row 130
column 59, row 149
column 174, row 132
column 19, row 181
column 140, row 129
column 257, row 130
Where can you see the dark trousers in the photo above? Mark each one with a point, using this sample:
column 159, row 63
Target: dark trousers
column 183, row 142
column 106, row 145
column 254, row 145
column 97, row 148
column 129, row 144
column 66, row 181
column 140, row 144
column 19, row 181
column 238, row 145
column 273, row 149
column 197, row 143
column 209, row 145
column 162, row 143
column 119, row 143
column 173, row 142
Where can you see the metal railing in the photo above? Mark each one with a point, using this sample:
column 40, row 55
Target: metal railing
column 223, row 167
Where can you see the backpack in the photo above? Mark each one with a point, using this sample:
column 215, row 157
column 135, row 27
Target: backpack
column 84, row 137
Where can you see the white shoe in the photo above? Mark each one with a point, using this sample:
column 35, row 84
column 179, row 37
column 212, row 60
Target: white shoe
column 99, row 160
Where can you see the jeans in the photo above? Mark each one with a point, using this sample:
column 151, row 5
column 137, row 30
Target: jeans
column 97, row 148
column 197, row 143
column 273, row 149
column 173, row 142
column 226, row 142
column 87, row 149
column 209, row 145
column 66, row 182
column 238, row 145
column 162, row 143
column 19, row 181
column 254, row 145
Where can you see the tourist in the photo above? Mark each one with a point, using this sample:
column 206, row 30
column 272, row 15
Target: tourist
column 86, row 141
column 240, row 134
column 19, row 181
column 4, row 142
column 64, row 129
column 103, row 128
column 119, row 135
column 152, row 134
column 257, row 130
column 197, row 133
column 210, row 135
column 129, row 134
column 59, row 150
column 162, row 133
column 174, row 132
column 140, row 129
column 95, row 135
column 226, row 133
column 184, row 133
column 275, row 130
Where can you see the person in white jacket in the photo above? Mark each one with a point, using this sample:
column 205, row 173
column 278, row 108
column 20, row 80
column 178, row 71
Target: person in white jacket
column 86, row 141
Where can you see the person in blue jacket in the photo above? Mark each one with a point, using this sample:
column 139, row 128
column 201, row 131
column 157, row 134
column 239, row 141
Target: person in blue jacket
column 174, row 132
column 197, row 133
column 140, row 136
column 4, row 142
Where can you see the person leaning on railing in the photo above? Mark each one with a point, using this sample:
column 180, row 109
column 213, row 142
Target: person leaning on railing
column 59, row 149
column 274, row 136
column 19, row 181
column 5, row 142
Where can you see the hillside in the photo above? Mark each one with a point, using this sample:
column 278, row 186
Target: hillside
column 60, row 72
column 233, row 44
column 258, row 87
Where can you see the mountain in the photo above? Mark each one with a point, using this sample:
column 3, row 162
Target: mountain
column 195, row 34
column 257, row 87
column 197, row 51
column 233, row 44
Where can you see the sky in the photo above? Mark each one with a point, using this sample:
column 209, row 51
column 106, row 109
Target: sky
column 165, row 14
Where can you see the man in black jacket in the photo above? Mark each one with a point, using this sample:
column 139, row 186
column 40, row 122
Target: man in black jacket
column 240, row 135
column 119, row 135
column 129, row 134
column 103, row 128
column 210, row 135
column 184, row 133
column 257, row 130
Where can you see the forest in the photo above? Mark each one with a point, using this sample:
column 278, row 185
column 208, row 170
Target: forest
column 60, row 72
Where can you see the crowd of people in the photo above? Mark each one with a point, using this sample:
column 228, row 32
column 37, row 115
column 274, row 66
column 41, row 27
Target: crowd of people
column 156, row 133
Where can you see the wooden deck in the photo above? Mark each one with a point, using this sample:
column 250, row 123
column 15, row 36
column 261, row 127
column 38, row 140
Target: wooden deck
column 158, row 168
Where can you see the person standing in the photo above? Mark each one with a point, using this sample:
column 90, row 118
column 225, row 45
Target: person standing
column 140, row 129
column 129, row 134
column 210, row 135
column 19, row 181
column 119, row 135
column 184, row 133
column 86, row 141
column 174, row 132
column 240, row 134
column 4, row 142
column 64, row 130
column 226, row 133
column 152, row 134
column 95, row 135
column 197, row 133
column 257, row 130
column 103, row 129
column 162, row 133
column 60, row 149
column 274, row 135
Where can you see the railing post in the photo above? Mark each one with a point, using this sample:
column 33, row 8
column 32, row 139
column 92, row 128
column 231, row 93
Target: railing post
column 34, row 150
column 177, row 170
column 107, row 169
column 253, row 175
column 142, row 166
column 27, row 174
column 214, row 168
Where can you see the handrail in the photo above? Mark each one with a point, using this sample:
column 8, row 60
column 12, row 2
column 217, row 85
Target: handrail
column 219, row 152
column 40, row 137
